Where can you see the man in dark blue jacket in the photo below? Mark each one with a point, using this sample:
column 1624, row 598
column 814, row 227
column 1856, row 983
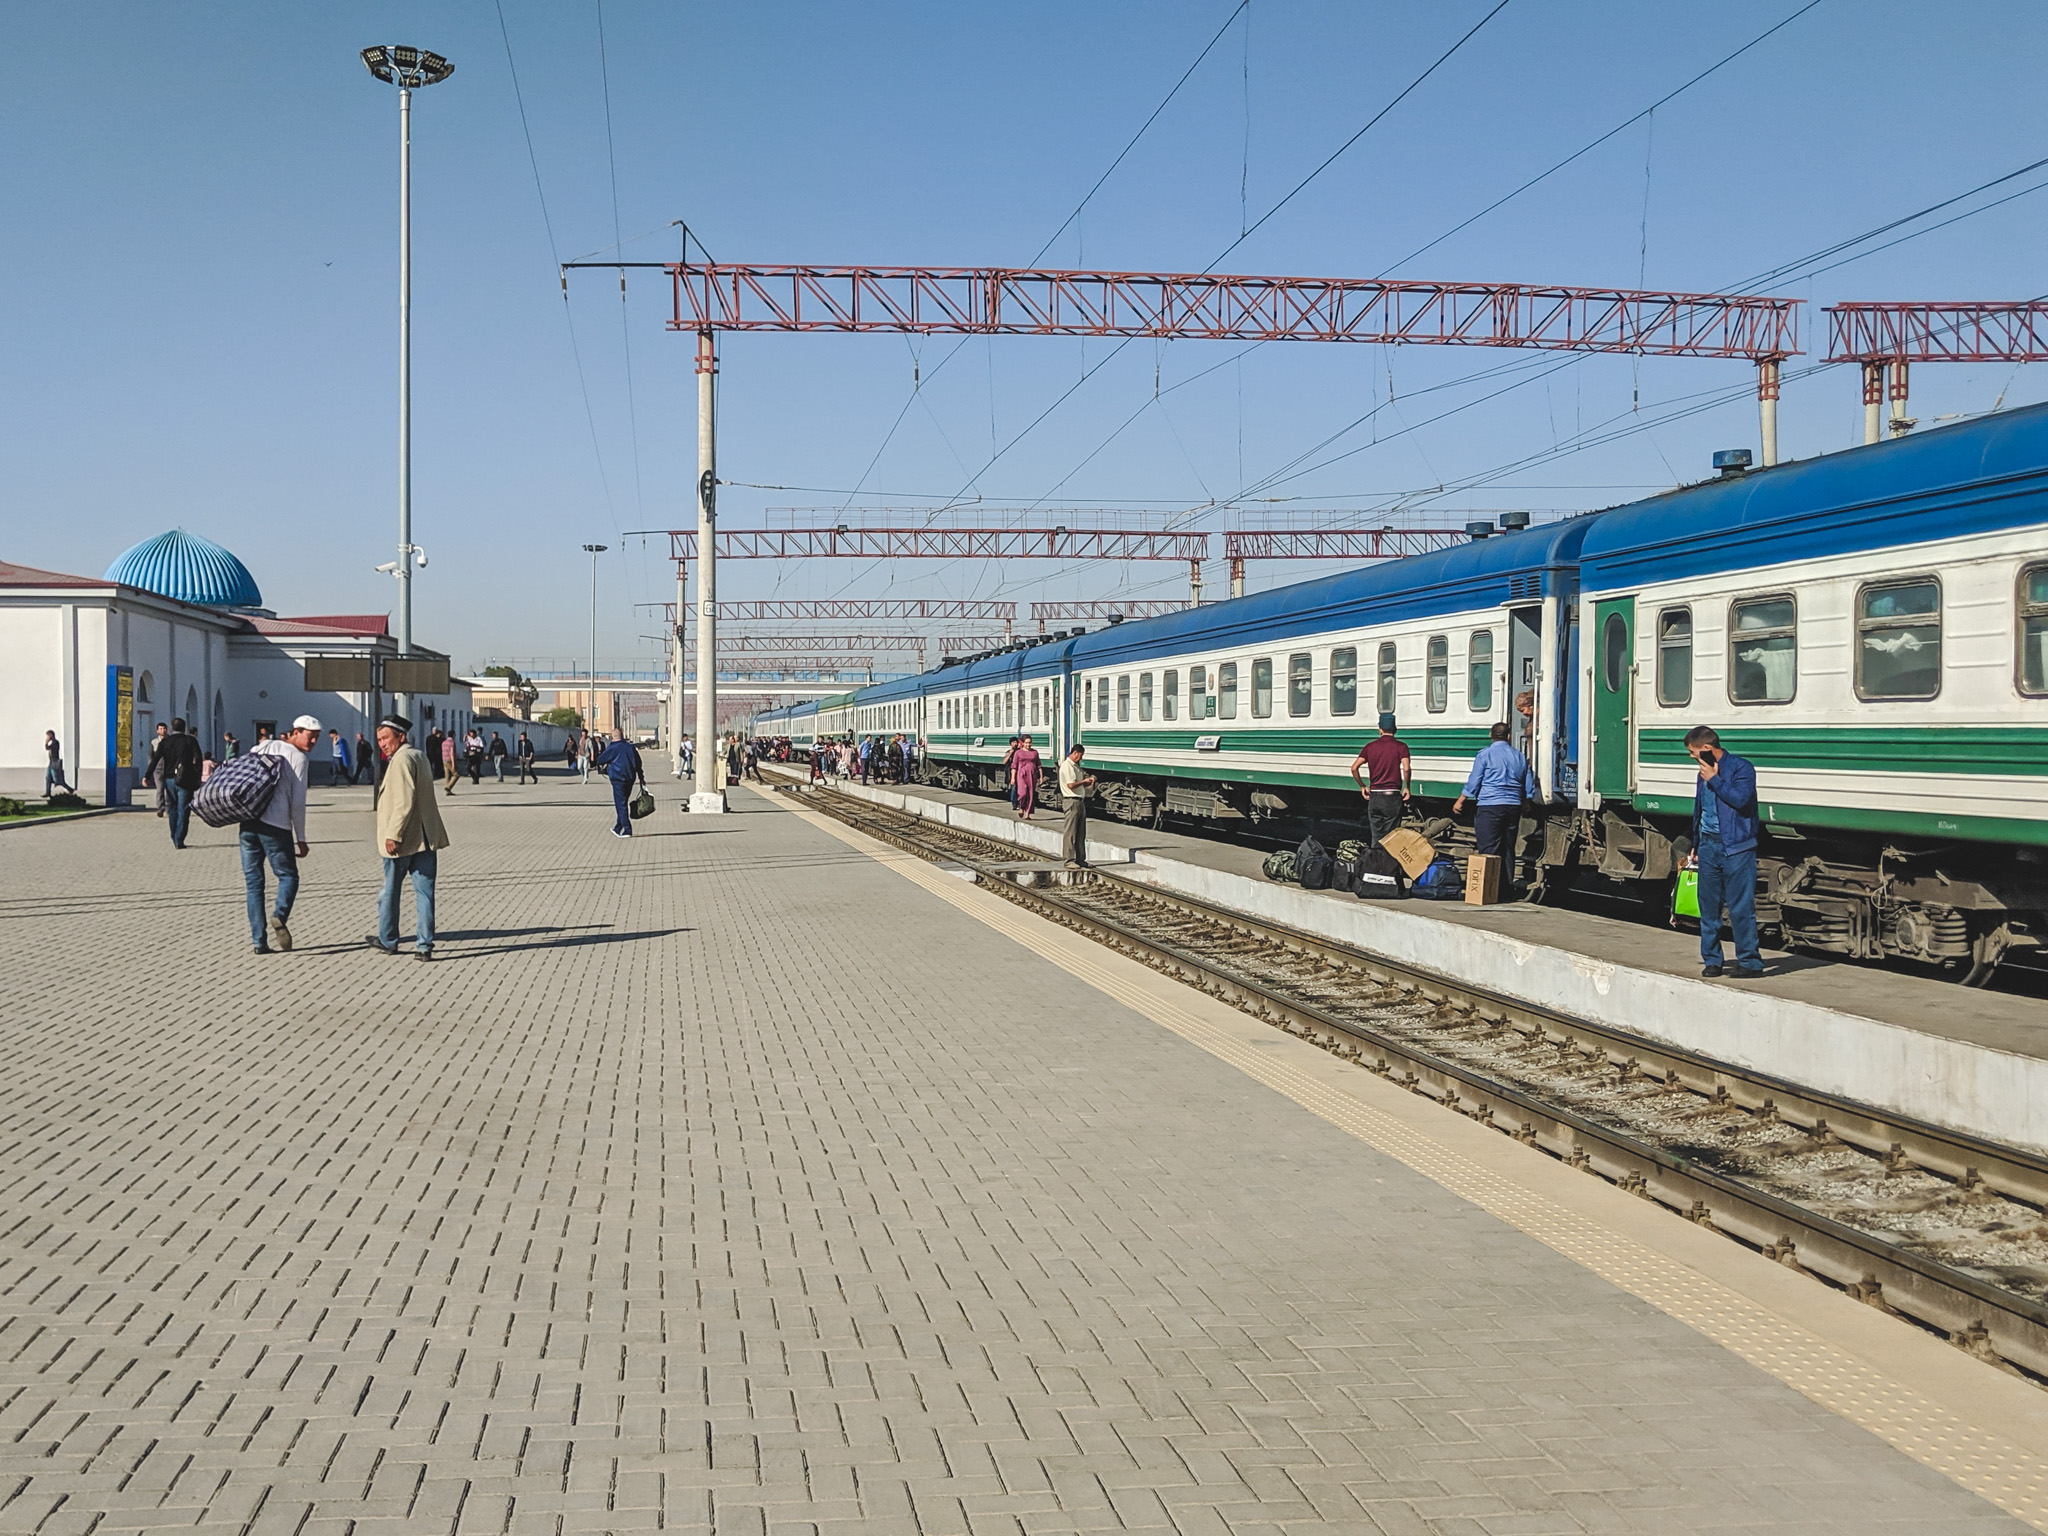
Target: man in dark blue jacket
column 1724, row 828
column 620, row 762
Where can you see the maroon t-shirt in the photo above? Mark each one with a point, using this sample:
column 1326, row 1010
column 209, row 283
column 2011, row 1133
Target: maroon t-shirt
column 1383, row 759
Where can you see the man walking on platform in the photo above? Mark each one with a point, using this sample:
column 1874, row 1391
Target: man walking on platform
column 410, row 837
column 178, row 761
column 53, row 772
column 278, row 836
column 451, row 765
column 525, row 753
column 1500, row 781
column 620, row 762
column 1075, row 787
column 337, row 758
column 359, row 762
column 1724, row 830
column 1387, row 781
column 498, row 753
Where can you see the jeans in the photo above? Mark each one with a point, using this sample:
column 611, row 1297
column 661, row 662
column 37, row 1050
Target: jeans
column 498, row 763
column 1493, row 829
column 526, row 771
column 422, row 866
column 261, row 841
column 621, row 789
column 181, row 813
column 1728, row 879
column 1383, row 813
column 53, row 777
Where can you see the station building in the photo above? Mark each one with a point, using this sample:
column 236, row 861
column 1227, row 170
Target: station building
column 176, row 628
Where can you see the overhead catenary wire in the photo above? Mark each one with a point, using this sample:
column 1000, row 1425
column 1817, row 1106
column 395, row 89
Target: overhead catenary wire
column 625, row 319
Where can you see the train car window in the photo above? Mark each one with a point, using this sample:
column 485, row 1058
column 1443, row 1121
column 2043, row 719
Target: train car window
column 1123, row 697
column 1674, row 656
column 1614, row 652
column 1763, row 648
column 1102, row 701
column 1386, row 679
column 1479, row 671
column 1301, row 684
column 1344, row 681
column 1169, row 700
column 1898, row 640
column 1087, row 698
column 1226, row 689
column 1262, row 687
column 1438, row 696
column 1144, row 695
column 2033, row 637
column 1034, row 706
column 1198, row 693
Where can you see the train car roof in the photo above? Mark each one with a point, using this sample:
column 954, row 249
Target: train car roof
column 1973, row 477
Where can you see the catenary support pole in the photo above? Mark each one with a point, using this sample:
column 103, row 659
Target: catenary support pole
column 1237, row 576
column 402, row 702
column 1873, row 398
column 1767, row 406
column 678, row 715
column 707, row 797
column 1901, row 422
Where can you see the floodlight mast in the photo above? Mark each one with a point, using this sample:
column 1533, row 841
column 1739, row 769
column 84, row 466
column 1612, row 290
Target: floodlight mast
column 409, row 69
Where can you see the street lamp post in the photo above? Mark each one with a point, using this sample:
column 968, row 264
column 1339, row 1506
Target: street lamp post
column 593, row 550
column 409, row 69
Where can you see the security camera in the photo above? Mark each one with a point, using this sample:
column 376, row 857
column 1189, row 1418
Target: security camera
column 421, row 556
column 388, row 568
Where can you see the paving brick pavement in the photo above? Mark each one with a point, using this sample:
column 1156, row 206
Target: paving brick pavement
column 723, row 1181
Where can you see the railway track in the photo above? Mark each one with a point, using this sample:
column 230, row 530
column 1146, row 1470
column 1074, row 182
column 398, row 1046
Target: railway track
column 1942, row 1230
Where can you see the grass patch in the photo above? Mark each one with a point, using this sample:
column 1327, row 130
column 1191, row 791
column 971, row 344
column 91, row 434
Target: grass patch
column 40, row 810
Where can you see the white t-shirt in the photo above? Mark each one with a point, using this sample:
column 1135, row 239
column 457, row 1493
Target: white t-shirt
column 287, row 808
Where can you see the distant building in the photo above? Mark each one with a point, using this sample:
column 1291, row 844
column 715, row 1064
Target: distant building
column 176, row 628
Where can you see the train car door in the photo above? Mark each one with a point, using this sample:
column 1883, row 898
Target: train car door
column 1614, row 650
column 1524, row 642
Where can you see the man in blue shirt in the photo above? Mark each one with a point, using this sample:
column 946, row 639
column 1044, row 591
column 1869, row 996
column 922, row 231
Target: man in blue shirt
column 1724, row 829
column 1499, row 782
column 620, row 762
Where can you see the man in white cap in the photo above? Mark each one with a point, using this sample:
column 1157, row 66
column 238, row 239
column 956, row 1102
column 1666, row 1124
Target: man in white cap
column 278, row 836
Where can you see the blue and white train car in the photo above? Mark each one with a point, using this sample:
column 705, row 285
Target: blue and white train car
column 1871, row 629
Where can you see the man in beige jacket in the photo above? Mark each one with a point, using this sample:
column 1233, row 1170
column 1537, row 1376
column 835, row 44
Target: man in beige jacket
column 409, row 836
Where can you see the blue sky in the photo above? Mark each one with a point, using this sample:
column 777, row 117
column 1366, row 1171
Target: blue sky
column 202, row 271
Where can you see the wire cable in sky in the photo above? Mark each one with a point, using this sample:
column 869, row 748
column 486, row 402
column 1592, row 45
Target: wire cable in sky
column 554, row 252
column 625, row 326
column 1588, row 148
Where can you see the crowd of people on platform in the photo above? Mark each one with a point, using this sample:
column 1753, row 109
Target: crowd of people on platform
column 871, row 759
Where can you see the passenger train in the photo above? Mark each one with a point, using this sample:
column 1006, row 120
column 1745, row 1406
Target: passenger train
column 1869, row 627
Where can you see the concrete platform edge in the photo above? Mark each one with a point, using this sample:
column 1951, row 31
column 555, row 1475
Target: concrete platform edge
column 1974, row 1089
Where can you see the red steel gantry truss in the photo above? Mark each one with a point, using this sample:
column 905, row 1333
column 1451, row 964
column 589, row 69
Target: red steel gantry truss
column 1895, row 336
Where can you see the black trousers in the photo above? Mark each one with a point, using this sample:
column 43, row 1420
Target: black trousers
column 1383, row 813
column 1494, row 828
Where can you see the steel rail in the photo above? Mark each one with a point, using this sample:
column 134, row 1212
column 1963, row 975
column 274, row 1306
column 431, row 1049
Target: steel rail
column 1979, row 1317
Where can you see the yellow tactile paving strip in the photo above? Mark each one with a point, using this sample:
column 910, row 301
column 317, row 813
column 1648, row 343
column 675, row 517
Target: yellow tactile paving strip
column 2007, row 1474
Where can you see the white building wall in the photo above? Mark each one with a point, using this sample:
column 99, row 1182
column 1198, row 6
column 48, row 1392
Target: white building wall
column 31, row 697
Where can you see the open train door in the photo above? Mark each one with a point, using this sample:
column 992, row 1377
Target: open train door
column 1614, row 650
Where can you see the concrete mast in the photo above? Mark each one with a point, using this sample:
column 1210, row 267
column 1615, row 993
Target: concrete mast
column 707, row 796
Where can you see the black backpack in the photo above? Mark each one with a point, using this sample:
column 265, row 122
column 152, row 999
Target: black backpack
column 1312, row 864
column 1380, row 876
column 1344, row 871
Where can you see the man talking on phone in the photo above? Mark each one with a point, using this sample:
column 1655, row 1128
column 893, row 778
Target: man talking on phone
column 1724, row 828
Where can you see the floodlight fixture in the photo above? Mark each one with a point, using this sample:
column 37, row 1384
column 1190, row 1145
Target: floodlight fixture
column 408, row 67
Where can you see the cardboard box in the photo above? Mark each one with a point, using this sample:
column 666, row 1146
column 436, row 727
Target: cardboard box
column 1411, row 850
column 1482, row 880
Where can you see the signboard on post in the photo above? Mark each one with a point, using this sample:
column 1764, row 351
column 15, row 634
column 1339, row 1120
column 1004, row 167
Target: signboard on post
column 415, row 675
column 338, row 674
column 120, row 734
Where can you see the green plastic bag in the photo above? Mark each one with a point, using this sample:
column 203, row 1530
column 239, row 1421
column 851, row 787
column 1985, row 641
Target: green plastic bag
column 1685, row 898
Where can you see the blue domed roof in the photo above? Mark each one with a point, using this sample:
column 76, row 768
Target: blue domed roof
column 191, row 569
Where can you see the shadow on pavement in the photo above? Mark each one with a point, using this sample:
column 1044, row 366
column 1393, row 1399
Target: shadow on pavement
column 563, row 943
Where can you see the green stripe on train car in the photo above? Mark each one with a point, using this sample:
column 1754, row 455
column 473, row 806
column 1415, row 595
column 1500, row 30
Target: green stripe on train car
column 1347, row 741
column 1843, row 818
column 1978, row 749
